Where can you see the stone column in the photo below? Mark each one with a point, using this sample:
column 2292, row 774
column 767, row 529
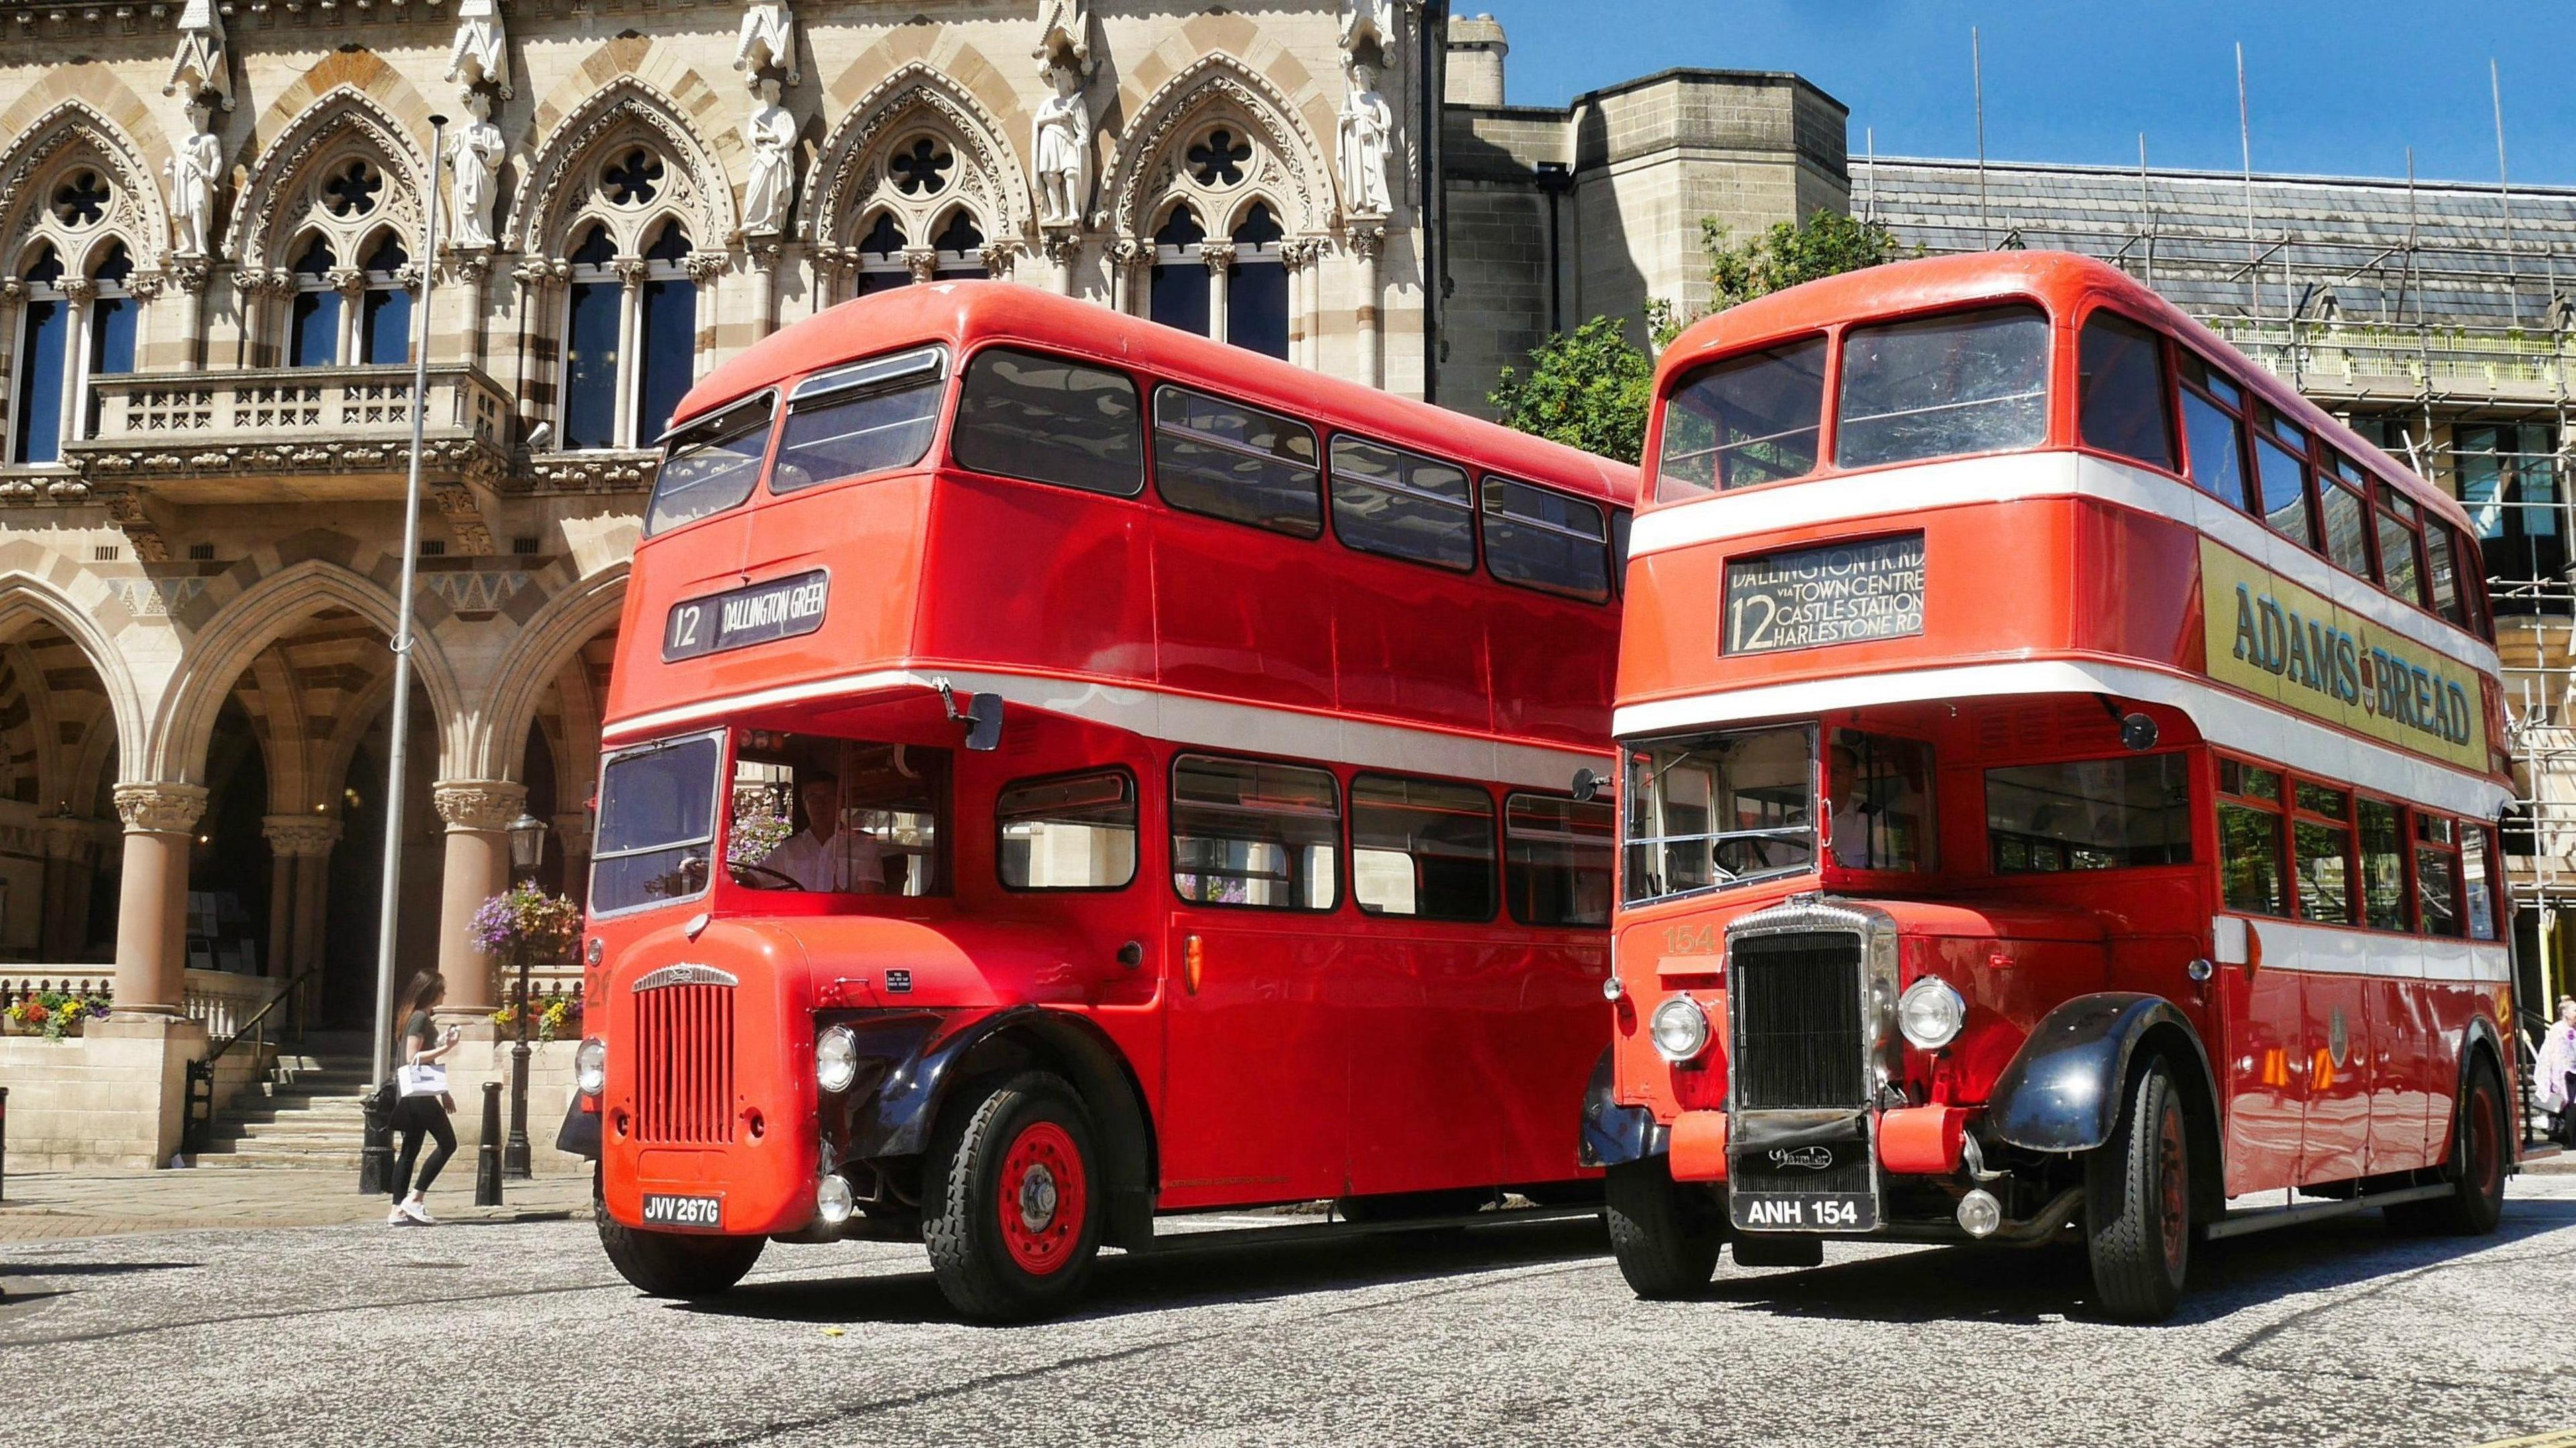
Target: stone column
column 78, row 292
column 922, row 262
column 762, row 252
column 1294, row 253
column 301, row 845
column 70, row 854
column 1368, row 245
column 478, row 814
column 473, row 275
column 351, row 284
column 1125, row 254
column 152, row 899
column 1063, row 249
column 1219, row 258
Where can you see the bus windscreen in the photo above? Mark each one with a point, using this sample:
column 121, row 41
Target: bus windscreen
column 1972, row 382
column 657, row 824
column 1743, row 421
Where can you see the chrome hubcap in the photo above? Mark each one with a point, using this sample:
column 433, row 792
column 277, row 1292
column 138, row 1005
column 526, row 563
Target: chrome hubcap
column 1037, row 1198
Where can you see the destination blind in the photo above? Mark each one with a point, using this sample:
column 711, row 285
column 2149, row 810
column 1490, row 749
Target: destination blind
column 780, row 608
column 1840, row 593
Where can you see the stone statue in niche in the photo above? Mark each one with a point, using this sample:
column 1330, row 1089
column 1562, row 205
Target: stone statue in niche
column 767, row 40
column 1366, row 22
column 478, row 55
column 476, row 160
column 1367, row 133
column 771, row 134
column 194, row 165
column 1064, row 29
column 1063, row 146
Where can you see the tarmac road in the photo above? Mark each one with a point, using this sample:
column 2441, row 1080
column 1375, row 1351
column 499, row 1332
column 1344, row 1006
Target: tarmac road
column 519, row 1333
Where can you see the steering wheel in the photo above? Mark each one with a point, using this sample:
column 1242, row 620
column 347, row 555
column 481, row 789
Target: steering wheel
column 1758, row 848
column 742, row 868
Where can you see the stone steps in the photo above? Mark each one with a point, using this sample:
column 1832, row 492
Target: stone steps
column 308, row 1113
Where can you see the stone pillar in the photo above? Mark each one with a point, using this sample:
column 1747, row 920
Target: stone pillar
column 152, row 899
column 1063, row 250
column 762, row 252
column 301, row 846
column 473, row 275
column 1368, row 245
column 71, row 853
column 1219, row 259
column 478, row 814
column 1126, row 255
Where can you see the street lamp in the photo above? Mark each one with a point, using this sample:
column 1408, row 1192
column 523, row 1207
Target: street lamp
column 527, row 852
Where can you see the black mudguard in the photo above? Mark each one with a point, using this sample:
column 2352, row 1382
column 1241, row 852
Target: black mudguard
column 1614, row 1135
column 888, row 1109
column 579, row 1134
column 2063, row 1090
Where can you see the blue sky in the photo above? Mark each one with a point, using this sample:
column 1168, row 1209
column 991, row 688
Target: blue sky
column 2334, row 88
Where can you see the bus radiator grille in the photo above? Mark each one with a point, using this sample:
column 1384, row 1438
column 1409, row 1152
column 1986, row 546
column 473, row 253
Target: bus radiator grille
column 684, row 1064
column 1795, row 1004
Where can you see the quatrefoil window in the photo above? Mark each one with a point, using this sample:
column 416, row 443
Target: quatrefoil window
column 1217, row 162
column 352, row 189
column 632, row 179
column 921, row 169
column 81, row 200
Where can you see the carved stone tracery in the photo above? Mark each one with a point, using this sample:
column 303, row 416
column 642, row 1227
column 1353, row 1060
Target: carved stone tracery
column 1151, row 168
column 562, row 178
column 286, row 189
column 850, row 183
column 66, row 138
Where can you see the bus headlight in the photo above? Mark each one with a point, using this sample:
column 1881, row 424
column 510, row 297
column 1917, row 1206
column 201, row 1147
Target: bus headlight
column 836, row 1060
column 1680, row 1029
column 590, row 1066
column 1930, row 1013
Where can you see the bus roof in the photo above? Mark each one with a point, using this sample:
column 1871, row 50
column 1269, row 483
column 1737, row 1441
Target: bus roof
column 966, row 313
column 2059, row 281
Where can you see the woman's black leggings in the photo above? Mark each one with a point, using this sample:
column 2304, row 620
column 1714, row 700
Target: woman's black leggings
column 415, row 1117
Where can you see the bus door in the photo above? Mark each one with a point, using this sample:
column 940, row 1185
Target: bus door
column 2333, row 1044
column 1256, row 1072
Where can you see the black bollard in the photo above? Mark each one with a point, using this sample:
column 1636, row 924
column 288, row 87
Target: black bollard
column 376, row 1147
column 487, row 1157
column 4, row 1143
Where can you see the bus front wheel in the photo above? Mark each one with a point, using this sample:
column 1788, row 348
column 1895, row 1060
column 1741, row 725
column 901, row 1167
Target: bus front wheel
column 672, row 1264
column 1012, row 1198
column 2137, row 1201
column 1666, row 1236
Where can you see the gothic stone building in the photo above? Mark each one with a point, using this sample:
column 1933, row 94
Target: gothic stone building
column 215, row 231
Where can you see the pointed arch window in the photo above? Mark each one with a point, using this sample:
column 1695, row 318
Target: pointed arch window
column 44, row 341
column 881, row 265
column 113, row 314
column 630, row 338
column 1179, row 290
column 384, row 324
column 593, row 322
column 313, row 322
column 669, row 332
column 1256, row 286
column 960, row 244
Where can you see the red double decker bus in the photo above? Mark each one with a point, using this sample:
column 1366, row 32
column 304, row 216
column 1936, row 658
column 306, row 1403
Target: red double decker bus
column 1060, row 770
column 2062, row 766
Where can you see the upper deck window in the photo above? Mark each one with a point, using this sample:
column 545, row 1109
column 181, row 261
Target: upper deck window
column 1971, row 382
column 712, row 466
column 1402, row 504
column 2281, row 479
column 2121, row 391
column 1743, row 421
column 1231, row 461
column 1050, row 420
column 2214, row 431
column 2401, row 533
column 1539, row 538
column 864, row 418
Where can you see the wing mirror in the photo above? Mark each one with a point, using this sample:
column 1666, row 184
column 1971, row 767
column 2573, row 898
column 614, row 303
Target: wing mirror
column 982, row 716
column 1589, row 786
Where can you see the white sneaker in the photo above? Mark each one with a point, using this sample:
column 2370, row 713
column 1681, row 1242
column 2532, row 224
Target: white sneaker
column 418, row 1213
column 397, row 1217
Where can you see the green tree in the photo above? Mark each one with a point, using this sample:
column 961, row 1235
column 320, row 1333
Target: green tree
column 1588, row 388
column 1825, row 244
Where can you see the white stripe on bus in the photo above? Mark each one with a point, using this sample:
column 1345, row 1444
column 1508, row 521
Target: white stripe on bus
column 2327, row 950
column 1891, row 494
column 2224, row 718
column 1182, row 719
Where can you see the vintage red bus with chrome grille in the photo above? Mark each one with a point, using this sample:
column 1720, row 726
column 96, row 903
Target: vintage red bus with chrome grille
column 1060, row 770
column 2061, row 768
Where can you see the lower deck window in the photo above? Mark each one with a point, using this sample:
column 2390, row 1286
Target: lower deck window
column 1556, row 860
column 1074, row 832
column 2252, row 870
column 1882, row 798
column 1422, row 847
column 2089, row 814
column 2322, row 837
column 2383, row 865
column 1250, row 833
column 821, row 815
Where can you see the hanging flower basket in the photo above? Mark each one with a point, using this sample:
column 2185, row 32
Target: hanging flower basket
column 52, row 1014
column 524, row 923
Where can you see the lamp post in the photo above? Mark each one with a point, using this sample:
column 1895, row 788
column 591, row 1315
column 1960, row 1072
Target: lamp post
column 527, row 851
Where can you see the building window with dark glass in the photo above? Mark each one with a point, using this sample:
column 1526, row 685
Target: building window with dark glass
column 43, row 358
column 1256, row 285
column 313, row 319
column 384, row 324
column 630, row 339
column 1177, row 291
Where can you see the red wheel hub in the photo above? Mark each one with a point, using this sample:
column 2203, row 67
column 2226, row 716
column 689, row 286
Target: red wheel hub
column 2486, row 1148
column 2171, row 1175
column 1043, row 1197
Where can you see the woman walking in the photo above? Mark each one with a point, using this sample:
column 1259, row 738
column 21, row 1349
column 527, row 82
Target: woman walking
column 2555, row 1073
column 423, row 1114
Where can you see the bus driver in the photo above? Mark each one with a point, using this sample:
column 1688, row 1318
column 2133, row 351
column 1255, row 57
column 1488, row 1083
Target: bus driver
column 825, row 857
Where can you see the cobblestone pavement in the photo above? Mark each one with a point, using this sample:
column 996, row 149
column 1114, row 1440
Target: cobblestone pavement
column 46, row 1206
column 2334, row 1333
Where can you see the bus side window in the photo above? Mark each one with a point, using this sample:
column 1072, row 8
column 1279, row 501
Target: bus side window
column 2478, row 893
column 2437, row 875
column 2251, row 870
column 1403, row 505
column 1881, row 793
column 2121, row 391
column 1422, row 847
column 2321, row 828
column 2401, row 539
column 1235, row 462
column 2383, row 865
column 2282, row 479
column 2214, row 431
column 2089, row 814
column 2347, row 520
column 1047, row 420
column 2442, row 548
column 1247, row 832
column 1546, row 540
column 1556, row 860
column 1069, row 832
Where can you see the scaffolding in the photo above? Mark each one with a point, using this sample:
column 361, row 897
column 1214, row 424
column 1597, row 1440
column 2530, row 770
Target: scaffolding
column 2436, row 320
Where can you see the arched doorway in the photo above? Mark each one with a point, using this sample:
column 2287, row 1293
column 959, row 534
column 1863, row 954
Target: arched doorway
column 58, row 763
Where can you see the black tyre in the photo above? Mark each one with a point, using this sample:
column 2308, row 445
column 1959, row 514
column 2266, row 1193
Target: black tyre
column 2137, row 1204
column 1012, row 1198
column 672, row 1264
column 2476, row 1170
column 1665, row 1235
